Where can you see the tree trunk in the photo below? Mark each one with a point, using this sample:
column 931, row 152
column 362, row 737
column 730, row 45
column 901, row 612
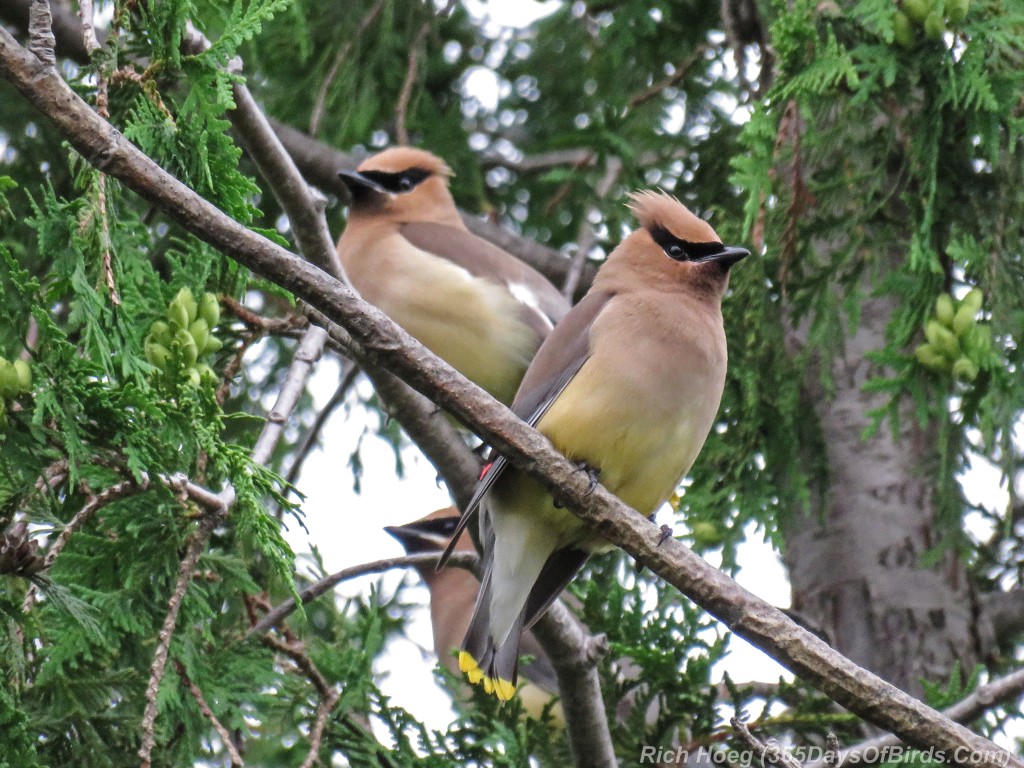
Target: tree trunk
column 854, row 563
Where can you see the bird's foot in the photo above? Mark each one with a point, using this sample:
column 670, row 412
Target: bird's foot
column 592, row 472
column 666, row 534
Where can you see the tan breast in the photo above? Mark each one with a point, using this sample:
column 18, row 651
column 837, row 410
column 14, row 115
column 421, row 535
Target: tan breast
column 472, row 323
column 643, row 404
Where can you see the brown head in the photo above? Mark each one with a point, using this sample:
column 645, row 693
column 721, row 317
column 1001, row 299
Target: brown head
column 403, row 184
column 453, row 591
column 672, row 247
column 431, row 534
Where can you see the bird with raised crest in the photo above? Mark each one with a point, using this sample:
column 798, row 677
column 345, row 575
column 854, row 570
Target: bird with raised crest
column 406, row 250
column 628, row 386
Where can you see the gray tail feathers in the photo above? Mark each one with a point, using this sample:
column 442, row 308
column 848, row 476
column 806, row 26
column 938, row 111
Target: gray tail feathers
column 496, row 667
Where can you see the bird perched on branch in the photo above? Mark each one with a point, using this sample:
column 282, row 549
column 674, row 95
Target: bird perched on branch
column 628, row 385
column 406, row 250
column 453, row 593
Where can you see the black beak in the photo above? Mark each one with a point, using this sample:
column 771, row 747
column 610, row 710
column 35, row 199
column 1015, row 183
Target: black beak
column 422, row 536
column 359, row 185
column 729, row 256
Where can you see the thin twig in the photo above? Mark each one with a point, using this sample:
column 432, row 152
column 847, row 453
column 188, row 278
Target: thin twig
column 88, row 31
column 770, row 752
column 308, row 352
column 196, row 545
column 94, row 504
column 416, row 49
column 321, row 95
column 402, row 106
column 832, row 748
column 323, row 711
column 312, row 436
column 672, row 80
column 218, row 726
column 106, row 245
column 52, row 476
column 295, row 650
column 260, row 325
column 281, row 611
column 588, row 235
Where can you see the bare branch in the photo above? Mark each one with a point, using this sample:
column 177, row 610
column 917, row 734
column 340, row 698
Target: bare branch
column 832, row 748
column 296, row 651
column 281, row 611
column 312, row 436
column 323, row 711
column 682, row 71
column 218, row 726
column 321, row 95
column 981, row 700
column 40, row 32
column 382, row 343
column 88, row 31
column 308, row 352
column 65, row 27
column 587, row 237
column 770, row 752
column 196, row 545
column 402, row 107
column 328, row 694
column 93, row 505
column 579, row 157
column 575, row 654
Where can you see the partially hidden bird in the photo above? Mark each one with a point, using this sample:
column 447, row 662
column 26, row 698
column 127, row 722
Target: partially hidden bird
column 453, row 593
column 628, row 386
column 406, row 250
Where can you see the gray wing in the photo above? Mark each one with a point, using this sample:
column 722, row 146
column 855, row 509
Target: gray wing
column 543, row 305
column 558, row 360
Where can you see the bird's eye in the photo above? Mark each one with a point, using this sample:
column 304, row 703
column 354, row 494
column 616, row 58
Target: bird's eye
column 675, row 251
column 404, row 183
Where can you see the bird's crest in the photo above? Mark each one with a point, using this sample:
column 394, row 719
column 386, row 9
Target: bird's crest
column 660, row 209
column 398, row 159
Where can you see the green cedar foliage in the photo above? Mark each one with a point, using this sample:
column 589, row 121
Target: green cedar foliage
column 652, row 86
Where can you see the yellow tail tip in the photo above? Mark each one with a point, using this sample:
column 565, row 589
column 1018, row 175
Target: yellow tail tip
column 467, row 663
column 504, row 689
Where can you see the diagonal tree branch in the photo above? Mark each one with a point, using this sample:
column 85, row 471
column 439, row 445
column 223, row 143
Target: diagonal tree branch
column 381, row 342
column 204, row 707
column 981, row 700
column 423, row 421
column 286, row 607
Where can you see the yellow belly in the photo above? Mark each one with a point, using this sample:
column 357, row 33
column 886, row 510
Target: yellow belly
column 471, row 323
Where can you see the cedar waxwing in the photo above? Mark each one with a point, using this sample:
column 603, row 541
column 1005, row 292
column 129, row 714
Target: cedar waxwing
column 628, row 385
column 453, row 593
column 406, row 250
